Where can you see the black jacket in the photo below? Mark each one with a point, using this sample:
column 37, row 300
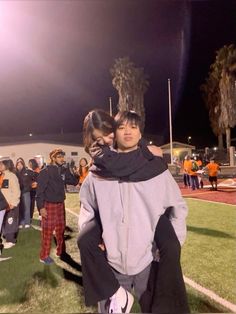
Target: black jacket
column 134, row 166
column 25, row 177
column 51, row 184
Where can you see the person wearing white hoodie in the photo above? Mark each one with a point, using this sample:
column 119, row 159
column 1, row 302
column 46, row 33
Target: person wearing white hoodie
column 10, row 189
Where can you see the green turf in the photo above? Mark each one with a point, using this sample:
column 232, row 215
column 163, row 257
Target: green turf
column 208, row 257
column 209, row 254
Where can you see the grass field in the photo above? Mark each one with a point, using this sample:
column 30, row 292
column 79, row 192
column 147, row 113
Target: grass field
column 209, row 254
column 208, row 258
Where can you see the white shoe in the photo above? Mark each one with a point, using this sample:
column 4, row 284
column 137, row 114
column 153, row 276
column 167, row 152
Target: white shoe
column 27, row 226
column 121, row 301
column 20, row 226
column 4, row 258
column 8, row 245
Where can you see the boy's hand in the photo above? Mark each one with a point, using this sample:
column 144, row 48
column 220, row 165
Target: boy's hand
column 43, row 212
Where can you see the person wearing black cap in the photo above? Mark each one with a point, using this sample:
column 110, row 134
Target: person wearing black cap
column 50, row 196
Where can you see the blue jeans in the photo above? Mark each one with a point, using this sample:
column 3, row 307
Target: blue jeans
column 25, row 202
column 194, row 182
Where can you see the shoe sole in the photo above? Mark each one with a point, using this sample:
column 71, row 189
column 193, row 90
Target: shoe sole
column 42, row 261
column 129, row 304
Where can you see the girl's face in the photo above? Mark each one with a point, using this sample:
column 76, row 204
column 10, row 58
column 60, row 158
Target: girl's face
column 19, row 166
column 2, row 166
column 103, row 139
column 82, row 163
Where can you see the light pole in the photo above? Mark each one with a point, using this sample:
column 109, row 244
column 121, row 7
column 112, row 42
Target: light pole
column 170, row 123
column 189, row 140
column 110, row 103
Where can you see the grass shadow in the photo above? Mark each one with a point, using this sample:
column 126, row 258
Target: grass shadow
column 210, row 232
column 72, row 277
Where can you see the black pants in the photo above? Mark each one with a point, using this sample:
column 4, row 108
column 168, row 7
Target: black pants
column 166, row 289
column 11, row 224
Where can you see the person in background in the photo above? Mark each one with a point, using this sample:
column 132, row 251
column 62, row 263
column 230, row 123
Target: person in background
column 10, row 188
column 200, row 172
column 25, row 177
column 3, row 207
column 186, row 166
column 192, row 171
column 50, row 197
column 213, row 168
column 83, row 170
column 33, row 166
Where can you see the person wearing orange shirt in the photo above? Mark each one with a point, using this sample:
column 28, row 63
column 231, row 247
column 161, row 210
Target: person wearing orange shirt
column 186, row 166
column 83, row 170
column 213, row 169
column 200, row 172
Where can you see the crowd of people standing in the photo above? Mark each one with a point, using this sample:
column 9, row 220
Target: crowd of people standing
column 18, row 193
column 194, row 169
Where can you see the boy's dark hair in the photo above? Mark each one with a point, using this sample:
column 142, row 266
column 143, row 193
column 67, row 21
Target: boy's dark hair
column 34, row 163
column 96, row 120
column 128, row 116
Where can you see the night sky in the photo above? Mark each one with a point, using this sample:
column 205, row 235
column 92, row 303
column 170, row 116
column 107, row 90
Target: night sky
column 55, row 58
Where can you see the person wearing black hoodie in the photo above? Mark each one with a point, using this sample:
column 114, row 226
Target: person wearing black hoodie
column 25, row 177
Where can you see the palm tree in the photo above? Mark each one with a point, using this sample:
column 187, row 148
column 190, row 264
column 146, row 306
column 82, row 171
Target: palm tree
column 219, row 93
column 211, row 96
column 227, row 58
column 131, row 84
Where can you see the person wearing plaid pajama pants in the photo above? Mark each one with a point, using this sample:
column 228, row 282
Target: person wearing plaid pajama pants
column 55, row 221
column 50, row 196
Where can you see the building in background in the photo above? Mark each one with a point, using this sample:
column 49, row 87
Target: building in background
column 39, row 147
column 180, row 150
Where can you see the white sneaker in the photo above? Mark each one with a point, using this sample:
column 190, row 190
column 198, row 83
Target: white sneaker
column 121, row 301
column 8, row 245
column 5, row 258
column 27, row 226
column 20, row 226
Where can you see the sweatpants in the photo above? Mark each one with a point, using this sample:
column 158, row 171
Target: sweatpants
column 136, row 284
column 11, row 224
column 100, row 283
column 55, row 221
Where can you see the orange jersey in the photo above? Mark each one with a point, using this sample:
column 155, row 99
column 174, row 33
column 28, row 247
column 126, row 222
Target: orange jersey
column 213, row 169
column 83, row 174
column 187, row 165
column 1, row 179
column 199, row 163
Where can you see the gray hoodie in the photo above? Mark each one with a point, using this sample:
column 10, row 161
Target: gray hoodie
column 129, row 213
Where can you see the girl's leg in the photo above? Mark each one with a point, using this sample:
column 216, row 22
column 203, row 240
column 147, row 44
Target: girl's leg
column 169, row 295
column 98, row 279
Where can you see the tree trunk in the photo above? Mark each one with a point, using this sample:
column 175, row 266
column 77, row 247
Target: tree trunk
column 228, row 138
column 220, row 141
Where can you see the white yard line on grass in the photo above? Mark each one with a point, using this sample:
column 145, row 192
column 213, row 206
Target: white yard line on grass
column 212, row 295
column 73, row 213
column 196, row 286
column 199, row 199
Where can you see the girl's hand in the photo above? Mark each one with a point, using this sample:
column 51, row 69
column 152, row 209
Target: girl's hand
column 95, row 150
column 155, row 150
